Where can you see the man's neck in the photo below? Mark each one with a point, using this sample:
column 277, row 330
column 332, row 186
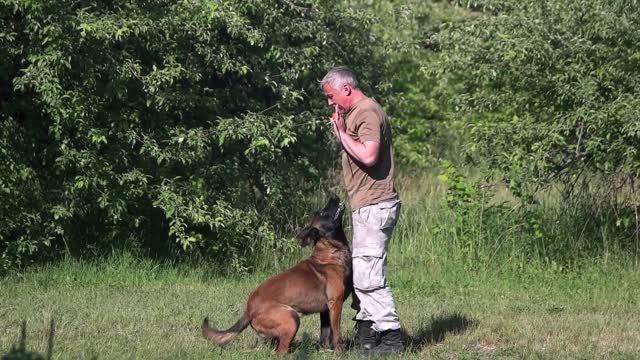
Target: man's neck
column 356, row 96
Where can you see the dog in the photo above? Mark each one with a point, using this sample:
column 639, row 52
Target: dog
column 317, row 284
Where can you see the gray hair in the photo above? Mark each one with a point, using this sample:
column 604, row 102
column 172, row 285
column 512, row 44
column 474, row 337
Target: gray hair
column 338, row 76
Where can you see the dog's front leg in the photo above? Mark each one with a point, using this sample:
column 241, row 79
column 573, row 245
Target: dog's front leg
column 335, row 314
column 325, row 330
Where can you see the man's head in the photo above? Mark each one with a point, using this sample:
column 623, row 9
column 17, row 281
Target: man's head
column 326, row 223
column 340, row 86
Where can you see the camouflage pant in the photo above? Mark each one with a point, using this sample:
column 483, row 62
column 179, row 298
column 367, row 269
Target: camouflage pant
column 372, row 229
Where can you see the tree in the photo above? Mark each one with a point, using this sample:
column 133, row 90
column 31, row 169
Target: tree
column 548, row 87
column 141, row 124
column 548, row 97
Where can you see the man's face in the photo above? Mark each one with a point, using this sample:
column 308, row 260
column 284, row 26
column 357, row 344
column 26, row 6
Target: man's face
column 338, row 97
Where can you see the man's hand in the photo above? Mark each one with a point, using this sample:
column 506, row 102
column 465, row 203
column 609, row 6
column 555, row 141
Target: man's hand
column 337, row 124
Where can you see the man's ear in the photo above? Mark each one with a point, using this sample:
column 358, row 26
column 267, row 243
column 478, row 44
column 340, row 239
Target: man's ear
column 308, row 236
column 347, row 89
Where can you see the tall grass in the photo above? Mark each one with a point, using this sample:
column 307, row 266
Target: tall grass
column 494, row 231
column 497, row 231
column 125, row 307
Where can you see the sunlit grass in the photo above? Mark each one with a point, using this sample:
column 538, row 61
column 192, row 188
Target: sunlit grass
column 125, row 308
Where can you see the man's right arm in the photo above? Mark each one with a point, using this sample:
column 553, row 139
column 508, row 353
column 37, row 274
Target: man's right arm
column 365, row 152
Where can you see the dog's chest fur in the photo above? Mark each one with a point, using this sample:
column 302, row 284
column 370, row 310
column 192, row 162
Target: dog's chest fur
column 332, row 252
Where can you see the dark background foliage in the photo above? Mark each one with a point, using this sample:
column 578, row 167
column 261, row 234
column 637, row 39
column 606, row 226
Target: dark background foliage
column 142, row 125
column 546, row 92
column 198, row 129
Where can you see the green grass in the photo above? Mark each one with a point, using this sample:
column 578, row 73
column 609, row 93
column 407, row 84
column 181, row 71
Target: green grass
column 129, row 309
column 466, row 286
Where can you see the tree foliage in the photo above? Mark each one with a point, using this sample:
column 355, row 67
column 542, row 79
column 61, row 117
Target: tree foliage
column 412, row 98
column 548, row 87
column 140, row 124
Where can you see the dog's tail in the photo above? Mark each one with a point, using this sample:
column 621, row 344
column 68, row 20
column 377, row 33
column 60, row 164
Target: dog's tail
column 223, row 337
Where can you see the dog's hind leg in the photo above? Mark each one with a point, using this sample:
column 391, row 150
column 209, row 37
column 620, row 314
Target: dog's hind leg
column 278, row 322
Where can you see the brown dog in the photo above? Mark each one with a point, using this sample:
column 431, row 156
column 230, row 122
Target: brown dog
column 317, row 284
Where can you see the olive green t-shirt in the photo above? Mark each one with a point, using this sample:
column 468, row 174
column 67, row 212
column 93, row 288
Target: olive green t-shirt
column 366, row 121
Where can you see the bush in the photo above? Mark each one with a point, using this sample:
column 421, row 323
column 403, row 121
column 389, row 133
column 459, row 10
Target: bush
column 144, row 125
column 548, row 87
column 548, row 94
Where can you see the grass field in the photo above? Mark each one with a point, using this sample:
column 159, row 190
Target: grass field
column 130, row 309
column 460, row 295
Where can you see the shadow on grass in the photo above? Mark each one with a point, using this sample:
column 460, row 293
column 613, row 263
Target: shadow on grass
column 20, row 352
column 303, row 349
column 300, row 349
column 435, row 332
column 427, row 334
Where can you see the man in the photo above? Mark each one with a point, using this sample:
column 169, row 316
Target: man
column 361, row 126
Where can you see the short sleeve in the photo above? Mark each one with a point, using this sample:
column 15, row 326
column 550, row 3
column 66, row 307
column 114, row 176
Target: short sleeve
column 370, row 125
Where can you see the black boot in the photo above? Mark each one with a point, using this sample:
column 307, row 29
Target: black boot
column 365, row 336
column 390, row 343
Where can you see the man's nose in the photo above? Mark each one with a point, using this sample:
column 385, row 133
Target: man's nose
column 330, row 102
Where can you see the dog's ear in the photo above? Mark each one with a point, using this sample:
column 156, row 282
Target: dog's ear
column 308, row 236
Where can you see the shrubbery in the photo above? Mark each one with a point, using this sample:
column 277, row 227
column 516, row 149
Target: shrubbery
column 547, row 92
column 548, row 87
column 198, row 127
column 141, row 124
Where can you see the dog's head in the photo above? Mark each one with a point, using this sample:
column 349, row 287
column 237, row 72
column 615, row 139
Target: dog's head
column 326, row 223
